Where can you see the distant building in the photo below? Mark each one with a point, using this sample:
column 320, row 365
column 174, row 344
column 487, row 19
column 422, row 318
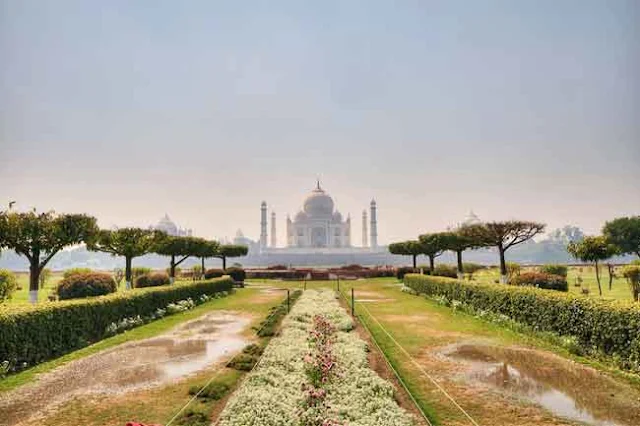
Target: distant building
column 170, row 228
column 318, row 227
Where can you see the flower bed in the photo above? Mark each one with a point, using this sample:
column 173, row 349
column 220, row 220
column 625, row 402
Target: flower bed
column 315, row 373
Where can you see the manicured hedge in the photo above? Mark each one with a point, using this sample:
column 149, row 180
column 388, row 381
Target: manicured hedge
column 152, row 279
column 609, row 327
column 33, row 334
column 86, row 284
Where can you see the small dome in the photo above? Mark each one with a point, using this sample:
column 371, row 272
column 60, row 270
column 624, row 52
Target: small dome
column 337, row 216
column 300, row 216
column 318, row 203
column 166, row 225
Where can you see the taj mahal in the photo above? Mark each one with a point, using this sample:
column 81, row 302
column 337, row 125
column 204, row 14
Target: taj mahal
column 319, row 227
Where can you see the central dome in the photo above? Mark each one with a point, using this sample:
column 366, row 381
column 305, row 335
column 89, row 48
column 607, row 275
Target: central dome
column 318, row 203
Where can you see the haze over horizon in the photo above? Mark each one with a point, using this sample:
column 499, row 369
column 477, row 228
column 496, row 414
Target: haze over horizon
column 130, row 110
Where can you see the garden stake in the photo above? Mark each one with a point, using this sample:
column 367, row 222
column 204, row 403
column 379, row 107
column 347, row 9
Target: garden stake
column 352, row 304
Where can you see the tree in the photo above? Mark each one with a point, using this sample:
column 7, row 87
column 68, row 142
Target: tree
column 39, row 236
column 624, row 233
column 180, row 247
column 127, row 242
column 457, row 242
column 204, row 250
column 230, row 250
column 503, row 236
column 411, row 248
column 593, row 249
column 433, row 245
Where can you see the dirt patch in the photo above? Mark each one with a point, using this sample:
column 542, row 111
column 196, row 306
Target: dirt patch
column 565, row 388
column 185, row 350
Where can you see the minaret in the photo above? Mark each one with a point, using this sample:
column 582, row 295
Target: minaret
column 263, row 225
column 273, row 229
column 365, row 235
column 374, row 226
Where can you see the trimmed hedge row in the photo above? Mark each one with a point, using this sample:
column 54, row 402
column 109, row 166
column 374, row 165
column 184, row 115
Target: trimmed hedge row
column 33, row 334
column 609, row 327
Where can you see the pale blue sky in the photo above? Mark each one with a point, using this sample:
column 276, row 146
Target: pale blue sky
column 202, row 109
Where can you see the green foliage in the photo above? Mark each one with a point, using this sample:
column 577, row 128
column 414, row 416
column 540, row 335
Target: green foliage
column 632, row 274
column 139, row 271
column 86, row 285
column 238, row 274
column 433, row 245
column 403, row 270
column 35, row 333
column 513, row 270
column 194, row 417
column 472, row 268
column 555, row 269
column 443, row 270
column 541, row 280
column 213, row 273
column 606, row 327
column 212, row 392
column 232, row 250
column 243, row 362
column 153, row 279
column 75, row 271
column 592, row 249
column 39, row 237
column 8, row 284
column 624, row 233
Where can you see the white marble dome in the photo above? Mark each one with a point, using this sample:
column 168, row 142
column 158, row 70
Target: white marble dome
column 318, row 203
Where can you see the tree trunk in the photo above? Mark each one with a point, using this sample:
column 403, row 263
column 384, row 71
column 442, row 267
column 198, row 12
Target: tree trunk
column 598, row 279
column 34, row 279
column 127, row 272
column 224, row 263
column 503, row 266
column 460, row 268
column 172, row 269
column 610, row 271
column 414, row 261
column 431, row 264
column 202, row 268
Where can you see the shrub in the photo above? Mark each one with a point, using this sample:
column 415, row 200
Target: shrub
column 513, row 270
column 8, row 284
column 194, row 417
column 554, row 269
column 212, row 392
column 472, row 268
column 608, row 327
column 89, row 284
column 632, row 274
column 541, row 280
column 139, row 270
column 443, row 270
column 213, row 273
column 153, row 279
column 75, row 271
column 353, row 267
column 404, row 270
column 277, row 267
column 34, row 333
column 243, row 362
column 237, row 274
column 277, row 274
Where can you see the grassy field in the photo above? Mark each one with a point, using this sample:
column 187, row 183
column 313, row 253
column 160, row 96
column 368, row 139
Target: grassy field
column 619, row 287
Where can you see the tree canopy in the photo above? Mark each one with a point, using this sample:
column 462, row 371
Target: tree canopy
column 624, row 233
column 182, row 247
column 457, row 242
column 433, row 245
column 39, row 236
column 593, row 249
column 127, row 242
column 230, row 250
column 411, row 248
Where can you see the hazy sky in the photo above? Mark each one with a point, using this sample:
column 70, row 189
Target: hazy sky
column 202, row 109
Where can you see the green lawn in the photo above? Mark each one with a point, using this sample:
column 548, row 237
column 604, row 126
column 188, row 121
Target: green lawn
column 619, row 288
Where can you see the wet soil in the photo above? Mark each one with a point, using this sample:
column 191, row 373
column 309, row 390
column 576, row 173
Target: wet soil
column 567, row 389
column 187, row 349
